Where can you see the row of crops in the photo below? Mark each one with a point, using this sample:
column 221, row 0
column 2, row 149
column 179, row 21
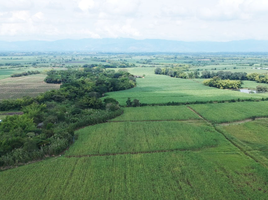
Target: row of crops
column 198, row 162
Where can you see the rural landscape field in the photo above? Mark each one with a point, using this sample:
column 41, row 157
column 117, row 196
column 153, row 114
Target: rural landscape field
column 167, row 137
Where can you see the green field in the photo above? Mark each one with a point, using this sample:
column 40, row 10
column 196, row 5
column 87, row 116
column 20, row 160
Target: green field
column 229, row 112
column 157, row 113
column 250, row 136
column 163, row 89
column 200, row 151
column 252, row 84
column 171, row 175
column 125, row 137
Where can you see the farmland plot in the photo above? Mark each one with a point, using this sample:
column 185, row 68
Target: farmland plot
column 13, row 88
column 250, row 136
column 229, row 112
column 157, row 113
column 157, row 89
column 170, row 175
column 134, row 137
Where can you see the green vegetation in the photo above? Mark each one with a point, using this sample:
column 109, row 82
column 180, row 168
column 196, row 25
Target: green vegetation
column 49, row 120
column 171, row 175
column 222, row 84
column 25, row 73
column 144, row 137
column 209, row 149
column 229, row 112
column 157, row 89
column 157, row 113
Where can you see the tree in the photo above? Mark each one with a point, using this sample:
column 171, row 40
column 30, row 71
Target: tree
column 128, row 102
column 158, row 70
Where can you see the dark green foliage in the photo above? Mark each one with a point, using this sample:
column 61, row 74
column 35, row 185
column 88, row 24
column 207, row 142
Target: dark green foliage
column 25, row 73
column 223, row 84
column 225, row 75
column 260, row 88
column 49, row 120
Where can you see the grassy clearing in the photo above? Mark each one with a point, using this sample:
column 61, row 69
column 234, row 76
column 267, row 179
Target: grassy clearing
column 123, row 137
column 229, row 112
column 252, row 84
column 157, row 113
column 251, row 136
column 175, row 175
column 162, row 89
column 12, row 88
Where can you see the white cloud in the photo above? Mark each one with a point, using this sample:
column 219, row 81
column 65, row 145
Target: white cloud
column 85, row 5
column 122, row 7
column 218, row 20
column 16, row 5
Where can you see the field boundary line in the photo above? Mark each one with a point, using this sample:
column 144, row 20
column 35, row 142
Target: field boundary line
column 199, row 115
column 167, row 120
column 230, row 140
column 240, row 121
column 134, row 153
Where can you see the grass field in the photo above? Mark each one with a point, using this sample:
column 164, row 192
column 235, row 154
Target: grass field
column 229, row 112
column 162, row 89
column 12, row 88
column 171, row 175
column 134, row 137
column 155, row 152
column 251, row 136
column 157, row 113
column 252, row 84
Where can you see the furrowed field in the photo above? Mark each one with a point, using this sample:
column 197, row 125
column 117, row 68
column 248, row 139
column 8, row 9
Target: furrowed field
column 13, row 88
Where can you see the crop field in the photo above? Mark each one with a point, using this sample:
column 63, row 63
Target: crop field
column 134, row 137
column 157, row 113
column 163, row 89
column 229, row 112
column 251, row 136
column 170, row 175
column 199, row 151
column 12, row 88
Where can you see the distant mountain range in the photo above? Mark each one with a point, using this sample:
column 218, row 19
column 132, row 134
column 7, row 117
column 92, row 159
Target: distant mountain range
column 132, row 45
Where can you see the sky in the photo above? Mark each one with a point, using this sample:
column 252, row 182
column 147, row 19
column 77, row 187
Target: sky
column 182, row 20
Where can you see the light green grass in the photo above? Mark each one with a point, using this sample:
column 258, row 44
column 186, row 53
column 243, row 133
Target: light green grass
column 163, row 89
column 229, row 112
column 252, row 84
column 176, row 175
column 157, row 113
column 121, row 137
column 251, row 136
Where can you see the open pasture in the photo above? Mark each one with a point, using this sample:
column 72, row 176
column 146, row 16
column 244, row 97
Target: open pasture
column 157, row 113
column 157, row 89
column 13, row 88
column 121, row 137
column 169, row 175
column 229, row 112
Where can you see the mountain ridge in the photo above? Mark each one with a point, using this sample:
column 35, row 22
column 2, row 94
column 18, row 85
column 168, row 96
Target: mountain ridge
column 132, row 45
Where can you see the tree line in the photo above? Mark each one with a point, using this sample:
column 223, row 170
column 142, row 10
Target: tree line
column 25, row 73
column 47, row 126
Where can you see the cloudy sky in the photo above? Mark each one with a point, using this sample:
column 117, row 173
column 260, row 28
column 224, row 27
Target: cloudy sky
column 184, row 20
